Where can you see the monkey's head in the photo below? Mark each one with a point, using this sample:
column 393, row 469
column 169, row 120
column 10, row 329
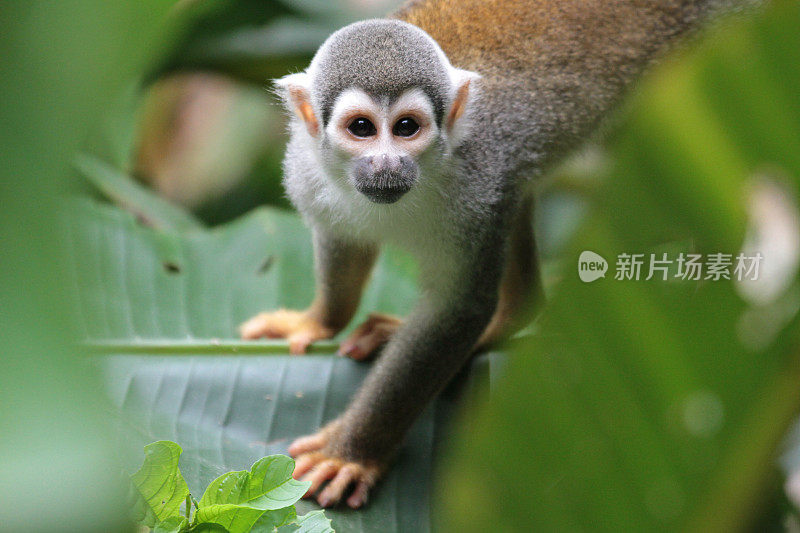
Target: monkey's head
column 382, row 106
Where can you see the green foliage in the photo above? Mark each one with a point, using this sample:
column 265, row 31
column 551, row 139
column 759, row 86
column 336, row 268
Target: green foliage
column 312, row 522
column 173, row 524
column 119, row 187
column 230, row 517
column 277, row 518
column 158, row 488
column 260, row 500
column 253, row 40
column 268, row 485
column 62, row 63
column 660, row 405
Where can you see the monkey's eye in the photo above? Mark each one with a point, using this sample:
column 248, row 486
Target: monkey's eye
column 362, row 127
column 405, row 127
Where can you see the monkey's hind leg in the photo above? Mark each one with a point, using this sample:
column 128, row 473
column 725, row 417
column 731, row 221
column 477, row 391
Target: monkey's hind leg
column 521, row 290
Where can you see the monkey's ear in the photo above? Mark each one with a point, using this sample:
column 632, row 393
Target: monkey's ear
column 463, row 82
column 294, row 89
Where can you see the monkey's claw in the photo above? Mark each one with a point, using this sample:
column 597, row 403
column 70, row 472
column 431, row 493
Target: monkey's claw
column 297, row 327
column 369, row 336
column 315, row 464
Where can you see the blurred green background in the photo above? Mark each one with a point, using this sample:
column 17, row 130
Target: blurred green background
column 138, row 138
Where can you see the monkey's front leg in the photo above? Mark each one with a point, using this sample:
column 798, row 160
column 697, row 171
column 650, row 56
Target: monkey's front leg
column 342, row 269
column 419, row 360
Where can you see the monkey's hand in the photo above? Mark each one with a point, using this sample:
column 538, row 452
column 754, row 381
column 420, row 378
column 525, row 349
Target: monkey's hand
column 300, row 328
column 373, row 333
column 318, row 462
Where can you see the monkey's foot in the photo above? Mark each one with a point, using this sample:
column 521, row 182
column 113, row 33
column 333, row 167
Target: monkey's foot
column 297, row 327
column 369, row 336
column 316, row 464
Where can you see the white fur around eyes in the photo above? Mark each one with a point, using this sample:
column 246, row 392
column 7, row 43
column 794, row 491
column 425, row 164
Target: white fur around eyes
column 412, row 100
column 353, row 100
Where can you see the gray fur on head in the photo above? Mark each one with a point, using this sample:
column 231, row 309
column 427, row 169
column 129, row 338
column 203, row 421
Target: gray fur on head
column 383, row 58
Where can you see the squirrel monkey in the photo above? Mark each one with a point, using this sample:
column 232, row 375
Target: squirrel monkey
column 425, row 130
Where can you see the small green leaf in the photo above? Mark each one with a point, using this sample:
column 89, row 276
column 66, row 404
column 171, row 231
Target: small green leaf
column 158, row 488
column 227, row 488
column 234, row 518
column 312, row 522
column 274, row 519
column 174, row 524
column 267, row 486
column 271, row 484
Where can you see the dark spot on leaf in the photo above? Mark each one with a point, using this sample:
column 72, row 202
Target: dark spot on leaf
column 266, row 265
column 171, row 267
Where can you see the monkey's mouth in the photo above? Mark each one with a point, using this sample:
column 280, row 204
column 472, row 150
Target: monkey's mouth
column 383, row 195
column 384, row 182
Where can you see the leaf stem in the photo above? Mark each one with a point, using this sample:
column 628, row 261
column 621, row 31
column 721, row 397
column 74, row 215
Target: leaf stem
column 188, row 507
column 196, row 506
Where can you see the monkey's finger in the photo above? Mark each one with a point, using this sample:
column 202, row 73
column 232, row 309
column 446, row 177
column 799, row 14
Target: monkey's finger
column 299, row 342
column 255, row 327
column 366, row 345
column 321, row 473
column 359, row 496
column 331, row 494
column 362, row 329
column 307, row 444
column 367, row 337
column 305, row 463
column 274, row 325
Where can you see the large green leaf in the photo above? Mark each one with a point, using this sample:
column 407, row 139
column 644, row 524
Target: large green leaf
column 158, row 289
column 164, row 313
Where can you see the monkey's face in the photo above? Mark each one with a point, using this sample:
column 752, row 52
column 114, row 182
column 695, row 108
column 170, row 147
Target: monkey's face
column 379, row 144
column 382, row 107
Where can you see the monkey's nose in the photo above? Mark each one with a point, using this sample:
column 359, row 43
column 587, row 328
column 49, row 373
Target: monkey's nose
column 384, row 178
column 385, row 162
